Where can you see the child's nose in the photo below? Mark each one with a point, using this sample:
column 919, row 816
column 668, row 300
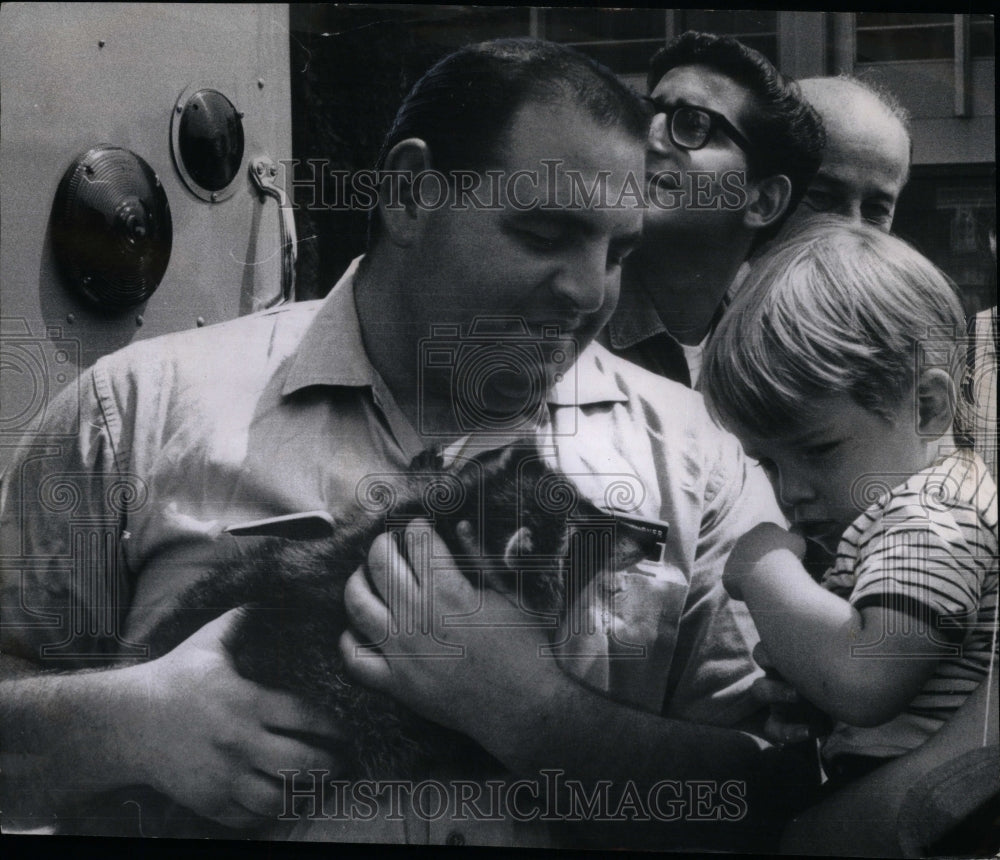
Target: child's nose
column 794, row 489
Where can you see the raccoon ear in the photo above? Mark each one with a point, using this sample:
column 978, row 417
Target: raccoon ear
column 519, row 545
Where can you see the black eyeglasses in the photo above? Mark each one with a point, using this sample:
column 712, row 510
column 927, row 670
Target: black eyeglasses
column 691, row 127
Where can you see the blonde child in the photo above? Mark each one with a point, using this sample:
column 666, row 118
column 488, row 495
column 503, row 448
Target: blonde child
column 837, row 368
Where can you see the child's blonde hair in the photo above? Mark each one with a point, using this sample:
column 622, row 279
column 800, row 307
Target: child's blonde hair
column 837, row 309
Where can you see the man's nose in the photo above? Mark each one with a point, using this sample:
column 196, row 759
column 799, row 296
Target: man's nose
column 851, row 210
column 585, row 283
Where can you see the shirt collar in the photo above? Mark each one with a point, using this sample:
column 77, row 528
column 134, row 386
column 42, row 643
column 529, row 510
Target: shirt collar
column 590, row 381
column 332, row 351
column 635, row 319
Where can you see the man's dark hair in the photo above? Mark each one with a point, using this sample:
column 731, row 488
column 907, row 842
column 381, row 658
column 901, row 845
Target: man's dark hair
column 463, row 105
column 786, row 132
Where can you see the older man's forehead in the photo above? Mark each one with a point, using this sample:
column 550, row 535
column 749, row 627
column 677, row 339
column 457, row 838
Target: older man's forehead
column 876, row 154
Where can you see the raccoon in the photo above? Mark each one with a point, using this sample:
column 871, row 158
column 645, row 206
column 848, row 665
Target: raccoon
column 524, row 516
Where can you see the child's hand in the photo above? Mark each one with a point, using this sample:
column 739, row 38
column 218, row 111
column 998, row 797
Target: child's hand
column 752, row 548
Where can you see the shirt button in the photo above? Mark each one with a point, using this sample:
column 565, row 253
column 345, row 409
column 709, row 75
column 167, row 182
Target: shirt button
column 455, row 838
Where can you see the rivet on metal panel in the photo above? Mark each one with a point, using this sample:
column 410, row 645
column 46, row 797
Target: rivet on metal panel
column 180, row 108
column 200, row 322
column 100, row 43
column 139, row 320
column 215, row 197
column 260, row 83
column 70, row 318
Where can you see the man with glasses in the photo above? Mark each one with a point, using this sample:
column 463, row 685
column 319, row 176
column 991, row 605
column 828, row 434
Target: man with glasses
column 732, row 147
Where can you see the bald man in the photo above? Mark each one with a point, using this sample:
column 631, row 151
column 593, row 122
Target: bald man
column 866, row 161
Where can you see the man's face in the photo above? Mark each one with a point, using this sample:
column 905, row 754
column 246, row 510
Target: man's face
column 545, row 255
column 865, row 162
column 833, row 466
column 683, row 180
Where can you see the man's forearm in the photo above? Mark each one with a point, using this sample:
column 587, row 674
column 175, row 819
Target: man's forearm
column 703, row 787
column 61, row 737
column 572, row 728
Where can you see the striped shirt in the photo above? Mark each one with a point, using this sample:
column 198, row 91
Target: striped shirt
column 928, row 549
column 980, row 386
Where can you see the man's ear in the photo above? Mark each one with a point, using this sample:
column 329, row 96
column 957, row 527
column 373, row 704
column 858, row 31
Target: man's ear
column 767, row 201
column 398, row 204
column 936, row 400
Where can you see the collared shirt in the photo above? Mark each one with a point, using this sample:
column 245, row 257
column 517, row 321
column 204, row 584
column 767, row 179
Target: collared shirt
column 636, row 333
column 122, row 502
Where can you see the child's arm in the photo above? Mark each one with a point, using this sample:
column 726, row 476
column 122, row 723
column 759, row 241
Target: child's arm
column 863, row 667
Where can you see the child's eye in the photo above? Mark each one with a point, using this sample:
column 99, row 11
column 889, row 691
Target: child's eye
column 822, row 449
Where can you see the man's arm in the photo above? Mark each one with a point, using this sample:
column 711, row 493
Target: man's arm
column 711, row 671
column 861, row 820
column 186, row 724
column 519, row 705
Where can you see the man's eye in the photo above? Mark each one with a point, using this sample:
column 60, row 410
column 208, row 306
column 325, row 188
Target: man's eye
column 539, row 241
column 877, row 215
column 822, row 201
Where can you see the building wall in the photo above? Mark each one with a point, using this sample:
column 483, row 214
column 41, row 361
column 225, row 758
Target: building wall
column 77, row 75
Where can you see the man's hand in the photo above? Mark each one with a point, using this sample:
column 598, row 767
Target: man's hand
column 791, row 719
column 752, row 548
column 212, row 740
column 412, row 604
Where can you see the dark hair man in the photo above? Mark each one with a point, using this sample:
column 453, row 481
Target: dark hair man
column 294, row 409
column 731, row 149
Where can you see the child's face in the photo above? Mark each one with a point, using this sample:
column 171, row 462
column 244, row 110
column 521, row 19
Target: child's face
column 836, row 464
